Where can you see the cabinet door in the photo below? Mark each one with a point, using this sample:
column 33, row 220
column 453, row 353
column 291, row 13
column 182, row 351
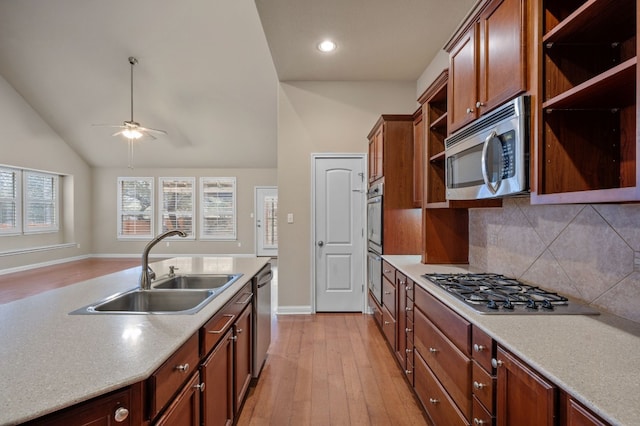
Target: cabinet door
column 372, row 160
column 242, row 355
column 185, row 408
column 523, row 397
column 503, row 59
column 217, row 375
column 401, row 320
column 463, row 81
column 418, row 158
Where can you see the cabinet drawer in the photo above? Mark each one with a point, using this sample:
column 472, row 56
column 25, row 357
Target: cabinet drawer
column 217, row 326
column 389, row 327
column 454, row 326
column 483, row 348
column 409, row 309
column 410, row 289
column 451, row 367
column 483, row 387
column 480, row 415
column 440, row 408
column 389, row 297
column 167, row 379
column 388, row 271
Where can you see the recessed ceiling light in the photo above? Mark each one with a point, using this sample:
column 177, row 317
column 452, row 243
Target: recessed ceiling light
column 327, row 46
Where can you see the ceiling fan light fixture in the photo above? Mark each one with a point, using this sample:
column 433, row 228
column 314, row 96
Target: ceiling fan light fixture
column 131, row 134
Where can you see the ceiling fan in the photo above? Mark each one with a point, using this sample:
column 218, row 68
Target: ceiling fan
column 131, row 129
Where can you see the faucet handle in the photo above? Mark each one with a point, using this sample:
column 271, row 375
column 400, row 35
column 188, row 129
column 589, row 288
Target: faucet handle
column 172, row 270
column 151, row 274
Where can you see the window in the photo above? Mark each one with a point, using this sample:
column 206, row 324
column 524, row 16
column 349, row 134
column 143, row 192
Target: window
column 218, row 208
column 10, row 201
column 135, row 207
column 40, row 202
column 177, row 204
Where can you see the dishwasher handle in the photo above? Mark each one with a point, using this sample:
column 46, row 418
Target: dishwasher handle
column 264, row 279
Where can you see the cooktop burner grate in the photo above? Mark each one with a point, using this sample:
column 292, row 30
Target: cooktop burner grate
column 497, row 294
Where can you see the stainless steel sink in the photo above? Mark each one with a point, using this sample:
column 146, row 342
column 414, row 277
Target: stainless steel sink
column 147, row 302
column 219, row 282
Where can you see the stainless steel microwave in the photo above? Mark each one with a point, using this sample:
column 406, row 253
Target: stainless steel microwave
column 489, row 158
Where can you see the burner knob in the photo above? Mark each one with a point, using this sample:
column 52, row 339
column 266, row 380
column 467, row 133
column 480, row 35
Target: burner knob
column 531, row 304
column 507, row 305
column 491, row 304
column 547, row 305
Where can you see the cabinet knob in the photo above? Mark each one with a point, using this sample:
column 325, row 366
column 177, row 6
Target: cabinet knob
column 408, row 350
column 433, row 350
column 477, row 421
column 233, row 338
column 479, row 104
column 386, row 271
column 387, row 323
column 478, row 386
column 433, row 401
column 408, row 309
column 403, row 282
column 478, row 348
column 200, row 387
column 183, row 367
column 239, row 331
column 408, row 330
column 470, row 110
column 408, row 288
column 495, row 363
column 121, row 415
column 408, row 371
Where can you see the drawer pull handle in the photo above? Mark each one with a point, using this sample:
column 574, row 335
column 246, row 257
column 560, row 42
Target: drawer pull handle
column 183, row 367
column 433, row 401
column 495, row 363
column 478, row 348
column 387, row 292
column 478, row 386
column 231, row 317
column 477, row 421
column 247, row 300
column 121, row 415
column 200, row 387
column 433, row 351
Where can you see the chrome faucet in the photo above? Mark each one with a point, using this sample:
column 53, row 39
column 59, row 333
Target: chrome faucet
column 147, row 273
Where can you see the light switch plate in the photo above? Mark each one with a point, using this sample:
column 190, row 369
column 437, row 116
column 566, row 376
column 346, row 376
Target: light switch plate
column 289, row 217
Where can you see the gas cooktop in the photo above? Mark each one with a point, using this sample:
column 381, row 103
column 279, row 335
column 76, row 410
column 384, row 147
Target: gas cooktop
column 497, row 294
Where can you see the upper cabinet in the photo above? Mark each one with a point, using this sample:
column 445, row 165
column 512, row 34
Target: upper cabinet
column 587, row 135
column 487, row 60
column 418, row 157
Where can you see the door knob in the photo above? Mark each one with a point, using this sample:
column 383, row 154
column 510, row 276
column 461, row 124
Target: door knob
column 320, row 243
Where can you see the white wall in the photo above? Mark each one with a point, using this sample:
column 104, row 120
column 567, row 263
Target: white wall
column 104, row 199
column 26, row 141
column 320, row 117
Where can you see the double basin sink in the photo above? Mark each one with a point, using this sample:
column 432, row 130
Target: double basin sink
column 177, row 294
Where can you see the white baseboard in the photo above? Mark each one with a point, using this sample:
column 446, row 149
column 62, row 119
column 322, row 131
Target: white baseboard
column 294, row 310
column 43, row 264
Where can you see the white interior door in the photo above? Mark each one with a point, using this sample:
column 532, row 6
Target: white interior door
column 266, row 215
column 339, row 237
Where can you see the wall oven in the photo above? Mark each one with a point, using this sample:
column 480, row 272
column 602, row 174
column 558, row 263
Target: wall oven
column 490, row 157
column 374, row 237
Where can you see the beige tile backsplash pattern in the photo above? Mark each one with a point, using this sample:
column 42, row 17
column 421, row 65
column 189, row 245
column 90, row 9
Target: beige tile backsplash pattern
column 587, row 252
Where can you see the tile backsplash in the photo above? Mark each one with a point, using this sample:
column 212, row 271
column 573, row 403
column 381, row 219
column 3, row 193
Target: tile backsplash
column 589, row 252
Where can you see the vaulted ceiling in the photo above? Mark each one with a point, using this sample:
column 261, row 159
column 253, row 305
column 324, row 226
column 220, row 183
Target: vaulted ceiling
column 208, row 70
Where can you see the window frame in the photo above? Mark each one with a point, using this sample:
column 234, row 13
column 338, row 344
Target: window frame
column 161, row 210
column 233, row 236
column 16, row 200
column 26, row 202
column 120, row 213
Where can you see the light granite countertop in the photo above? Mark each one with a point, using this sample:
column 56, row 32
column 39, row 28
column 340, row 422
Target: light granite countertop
column 50, row 360
column 594, row 358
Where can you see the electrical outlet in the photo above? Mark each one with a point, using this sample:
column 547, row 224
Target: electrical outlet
column 289, row 217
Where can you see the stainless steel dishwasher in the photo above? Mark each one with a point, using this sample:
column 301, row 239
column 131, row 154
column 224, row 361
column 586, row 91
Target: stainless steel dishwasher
column 261, row 318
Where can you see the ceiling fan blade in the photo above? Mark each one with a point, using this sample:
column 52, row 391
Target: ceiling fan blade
column 148, row 129
column 108, row 125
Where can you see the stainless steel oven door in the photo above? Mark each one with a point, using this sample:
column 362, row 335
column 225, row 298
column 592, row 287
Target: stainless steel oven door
column 374, row 275
column 374, row 223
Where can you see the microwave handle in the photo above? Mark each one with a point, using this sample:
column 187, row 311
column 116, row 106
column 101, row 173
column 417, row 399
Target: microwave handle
column 485, row 175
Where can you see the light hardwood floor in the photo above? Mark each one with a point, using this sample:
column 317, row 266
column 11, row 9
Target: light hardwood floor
column 323, row 369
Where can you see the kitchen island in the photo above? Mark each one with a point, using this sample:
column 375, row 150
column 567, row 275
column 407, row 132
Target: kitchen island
column 594, row 358
column 50, row 360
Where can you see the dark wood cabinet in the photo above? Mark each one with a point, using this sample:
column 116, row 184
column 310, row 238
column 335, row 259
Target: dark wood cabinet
column 184, row 410
column 418, row 158
column 114, row 408
column 523, row 397
column 242, row 353
column 401, row 319
column 217, row 375
column 587, row 147
column 576, row 414
column 391, row 161
column 487, row 60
